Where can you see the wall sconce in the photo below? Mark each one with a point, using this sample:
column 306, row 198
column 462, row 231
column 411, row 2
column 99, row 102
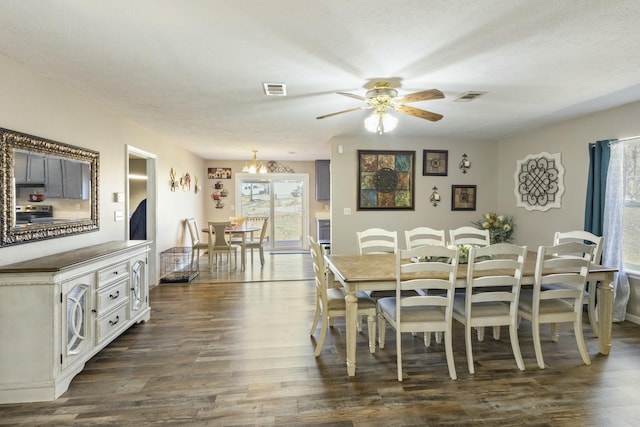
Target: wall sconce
column 435, row 196
column 465, row 163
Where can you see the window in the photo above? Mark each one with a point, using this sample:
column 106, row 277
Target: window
column 631, row 213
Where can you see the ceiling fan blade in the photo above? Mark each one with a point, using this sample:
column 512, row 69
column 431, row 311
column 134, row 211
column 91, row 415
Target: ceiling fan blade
column 351, row 95
column 364, row 107
column 422, row 114
column 425, row 95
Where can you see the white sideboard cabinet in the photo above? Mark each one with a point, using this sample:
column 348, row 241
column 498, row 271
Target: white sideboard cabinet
column 58, row 311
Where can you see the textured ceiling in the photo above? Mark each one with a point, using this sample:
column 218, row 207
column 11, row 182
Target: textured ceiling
column 192, row 70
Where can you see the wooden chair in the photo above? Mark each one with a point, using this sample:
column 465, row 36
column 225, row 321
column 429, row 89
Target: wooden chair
column 196, row 243
column 492, row 300
column 421, row 313
column 563, row 304
column 219, row 243
column 330, row 301
column 469, row 236
column 259, row 242
column 424, row 236
column 377, row 240
column 237, row 221
column 590, row 292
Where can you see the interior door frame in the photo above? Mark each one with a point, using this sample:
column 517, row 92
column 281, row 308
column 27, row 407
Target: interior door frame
column 152, row 205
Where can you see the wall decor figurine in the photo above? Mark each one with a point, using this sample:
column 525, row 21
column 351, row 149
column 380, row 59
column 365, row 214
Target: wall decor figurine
column 539, row 182
column 173, row 176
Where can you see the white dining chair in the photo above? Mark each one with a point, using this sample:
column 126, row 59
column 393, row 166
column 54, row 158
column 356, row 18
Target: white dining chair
column 258, row 243
column 422, row 313
column 219, row 243
column 562, row 304
column 424, row 236
column 492, row 298
column 590, row 290
column 377, row 240
column 330, row 301
column 469, row 236
column 196, row 243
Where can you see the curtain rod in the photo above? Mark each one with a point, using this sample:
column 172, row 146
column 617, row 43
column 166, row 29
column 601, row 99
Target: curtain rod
column 626, row 139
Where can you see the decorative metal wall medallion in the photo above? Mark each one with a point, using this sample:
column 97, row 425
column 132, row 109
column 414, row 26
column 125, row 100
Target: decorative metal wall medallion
column 539, row 182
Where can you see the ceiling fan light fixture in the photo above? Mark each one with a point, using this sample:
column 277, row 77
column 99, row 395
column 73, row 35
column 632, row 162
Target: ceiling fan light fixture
column 380, row 122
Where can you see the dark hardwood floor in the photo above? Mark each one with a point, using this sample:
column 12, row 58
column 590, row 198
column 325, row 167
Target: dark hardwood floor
column 220, row 351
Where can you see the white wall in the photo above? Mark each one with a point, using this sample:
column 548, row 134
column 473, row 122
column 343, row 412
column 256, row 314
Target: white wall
column 344, row 182
column 41, row 107
column 571, row 139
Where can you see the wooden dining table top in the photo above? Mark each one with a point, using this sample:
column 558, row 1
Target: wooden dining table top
column 382, row 267
column 240, row 229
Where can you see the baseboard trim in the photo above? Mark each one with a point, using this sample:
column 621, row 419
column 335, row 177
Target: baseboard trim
column 632, row 318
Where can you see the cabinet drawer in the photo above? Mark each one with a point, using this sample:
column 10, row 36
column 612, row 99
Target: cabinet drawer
column 115, row 272
column 111, row 296
column 111, row 323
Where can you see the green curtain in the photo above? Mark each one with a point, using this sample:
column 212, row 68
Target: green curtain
column 599, row 154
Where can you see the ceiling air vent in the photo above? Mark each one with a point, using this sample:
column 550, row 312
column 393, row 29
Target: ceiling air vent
column 469, row 96
column 275, row 89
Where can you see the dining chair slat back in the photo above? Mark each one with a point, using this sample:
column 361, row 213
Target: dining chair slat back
column 469, row 236
column 424, row 236
column 377, row 240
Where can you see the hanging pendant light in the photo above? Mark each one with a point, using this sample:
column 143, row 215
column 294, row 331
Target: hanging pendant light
column 254, row 166
column 380, row 122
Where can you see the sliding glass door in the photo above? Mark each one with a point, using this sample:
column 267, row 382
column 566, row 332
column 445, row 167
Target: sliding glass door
column 284, row 199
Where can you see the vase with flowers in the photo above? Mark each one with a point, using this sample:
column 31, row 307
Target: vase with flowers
column 500, row 227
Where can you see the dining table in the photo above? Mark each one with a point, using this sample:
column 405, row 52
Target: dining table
column 377, row 272
column 242, row 231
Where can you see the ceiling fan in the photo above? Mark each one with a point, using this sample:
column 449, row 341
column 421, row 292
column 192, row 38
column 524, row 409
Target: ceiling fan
column 383, row 97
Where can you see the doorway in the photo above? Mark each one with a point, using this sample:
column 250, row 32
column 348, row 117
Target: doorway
column 141, row 189
column 284, row 199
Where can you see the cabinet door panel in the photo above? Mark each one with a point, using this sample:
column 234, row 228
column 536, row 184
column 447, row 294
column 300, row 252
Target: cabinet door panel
column 53, row 183
column 323, row 180
column 76, row 325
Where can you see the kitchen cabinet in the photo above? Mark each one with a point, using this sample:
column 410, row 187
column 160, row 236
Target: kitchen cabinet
column 67, row 179
column 323, row 180
column 29, row 168
column 58, row 311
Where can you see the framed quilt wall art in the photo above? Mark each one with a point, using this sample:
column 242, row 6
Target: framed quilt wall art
column 386, row 180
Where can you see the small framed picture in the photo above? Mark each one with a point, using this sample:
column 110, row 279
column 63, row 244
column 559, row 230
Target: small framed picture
column 463, row 197
column 435, row 162
column 219, row 173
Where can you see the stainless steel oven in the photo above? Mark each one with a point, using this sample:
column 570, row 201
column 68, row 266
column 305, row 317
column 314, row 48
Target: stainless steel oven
column 26, row 214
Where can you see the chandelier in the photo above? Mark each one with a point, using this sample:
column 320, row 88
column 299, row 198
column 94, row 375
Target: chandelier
column 254, row 166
